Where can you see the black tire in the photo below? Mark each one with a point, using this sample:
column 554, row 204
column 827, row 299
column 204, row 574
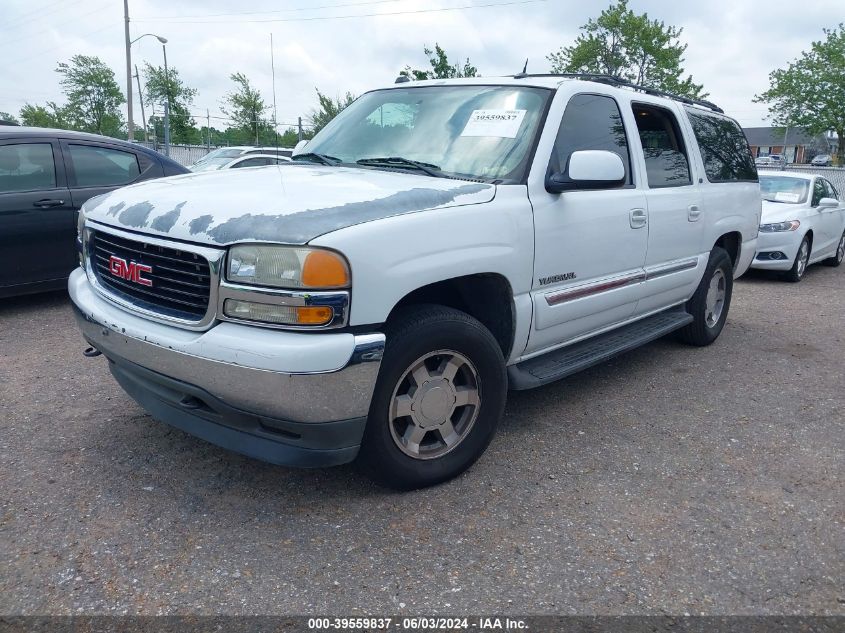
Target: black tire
column 699, row 332
column 414, row 333
column 797, row 272
column 839, row 256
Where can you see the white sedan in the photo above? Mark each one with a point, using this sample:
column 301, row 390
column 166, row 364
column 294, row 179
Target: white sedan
column 249, row 160
column 803, row 223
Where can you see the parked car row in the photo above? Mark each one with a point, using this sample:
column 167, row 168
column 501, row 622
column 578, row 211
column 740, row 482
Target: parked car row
column 228, row 157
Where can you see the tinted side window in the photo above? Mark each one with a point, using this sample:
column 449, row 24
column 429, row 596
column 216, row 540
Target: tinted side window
column 591, row 122
column 666, row 161
column 830, row 190
column 251, row 162
column 727, row 157
column 102, row 166
column 27, row 167
column 818, row 192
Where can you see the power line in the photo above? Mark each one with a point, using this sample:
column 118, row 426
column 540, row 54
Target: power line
column 360, row 15
column 29, row 36
column 34, row 15
column 220, row 15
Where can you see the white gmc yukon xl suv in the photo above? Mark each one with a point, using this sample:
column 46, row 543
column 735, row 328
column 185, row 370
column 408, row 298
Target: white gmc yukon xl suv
column 438, row 243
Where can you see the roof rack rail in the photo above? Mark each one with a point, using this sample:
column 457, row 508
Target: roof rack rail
column 613, row 80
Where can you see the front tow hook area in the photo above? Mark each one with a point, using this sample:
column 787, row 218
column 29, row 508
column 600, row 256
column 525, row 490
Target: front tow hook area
column 91, row 352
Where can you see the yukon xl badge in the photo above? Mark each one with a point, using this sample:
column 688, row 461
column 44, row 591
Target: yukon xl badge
column 130, row 271
column 545, row 281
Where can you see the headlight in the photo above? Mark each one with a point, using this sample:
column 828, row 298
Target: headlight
column 287, row 267
column 778, row 227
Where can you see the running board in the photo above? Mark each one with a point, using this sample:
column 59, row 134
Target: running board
column 566, row 361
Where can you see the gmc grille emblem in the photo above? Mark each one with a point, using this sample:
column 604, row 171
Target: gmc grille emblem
column 130, row 271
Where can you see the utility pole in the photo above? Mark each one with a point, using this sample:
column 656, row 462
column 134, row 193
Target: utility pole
column 130, row 125
column 208, row 128
column 141, row 99
column 273, row 69
column 299, row 127
column 783, row 153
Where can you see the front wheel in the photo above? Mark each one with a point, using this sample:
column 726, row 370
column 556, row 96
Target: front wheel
column 840, row 254
column 711, row 301
column 438, row 399
column 799, row 266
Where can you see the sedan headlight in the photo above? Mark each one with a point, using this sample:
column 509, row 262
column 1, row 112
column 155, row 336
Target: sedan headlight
column 779, row 227
column 287, row 267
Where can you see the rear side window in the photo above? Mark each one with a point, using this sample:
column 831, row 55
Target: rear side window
column 591, row 122
column 666, row 159
column 727, row 157
column 830, row 190
column 103, row 166
column 27, row 167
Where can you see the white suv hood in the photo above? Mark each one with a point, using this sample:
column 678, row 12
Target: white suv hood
column 291, row 204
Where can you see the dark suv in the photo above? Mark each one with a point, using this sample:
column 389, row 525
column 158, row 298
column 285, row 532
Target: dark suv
column 45, row 176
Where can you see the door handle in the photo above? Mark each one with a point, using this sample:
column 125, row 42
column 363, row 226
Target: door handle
column 693, row 213
column 638, row 218
column 46, row 203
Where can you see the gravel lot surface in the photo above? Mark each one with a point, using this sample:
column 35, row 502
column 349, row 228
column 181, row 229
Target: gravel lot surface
column 671, row 480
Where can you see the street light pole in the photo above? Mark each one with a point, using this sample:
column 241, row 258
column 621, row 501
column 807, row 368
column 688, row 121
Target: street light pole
column 130, row 125
column 129, row 43
column 167, row 103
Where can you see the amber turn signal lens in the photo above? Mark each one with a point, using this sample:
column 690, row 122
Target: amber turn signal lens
column 324, row 269
column 313, row 315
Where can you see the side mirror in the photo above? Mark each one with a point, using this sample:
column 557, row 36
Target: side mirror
column 299, row 146
column 588, row 169
column 828, row 203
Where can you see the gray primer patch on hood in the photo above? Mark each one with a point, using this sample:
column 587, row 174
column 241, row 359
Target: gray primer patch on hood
column 113, row 210
column 136, row 215
column 165, row 222
column 304, row 226
column 200, row 224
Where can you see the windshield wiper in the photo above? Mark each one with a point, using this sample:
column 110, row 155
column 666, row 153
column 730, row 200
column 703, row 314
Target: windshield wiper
column 398, row 161
column 325, row 159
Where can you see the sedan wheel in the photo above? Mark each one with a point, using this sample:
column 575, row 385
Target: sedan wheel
column 799, row 267
column 840, row 253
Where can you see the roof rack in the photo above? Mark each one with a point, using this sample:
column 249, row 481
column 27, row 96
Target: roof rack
column 613, row 80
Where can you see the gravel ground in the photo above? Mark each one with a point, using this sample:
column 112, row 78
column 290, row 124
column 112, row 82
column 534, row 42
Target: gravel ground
column 671, row 480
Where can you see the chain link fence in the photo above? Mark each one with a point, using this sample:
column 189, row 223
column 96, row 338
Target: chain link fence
column 182, row 154
column 835, row 175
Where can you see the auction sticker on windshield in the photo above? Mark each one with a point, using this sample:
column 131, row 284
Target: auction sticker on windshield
column 784, row 196
column 500, row 123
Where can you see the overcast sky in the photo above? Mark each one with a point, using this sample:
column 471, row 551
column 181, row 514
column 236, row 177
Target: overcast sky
column 733, row 44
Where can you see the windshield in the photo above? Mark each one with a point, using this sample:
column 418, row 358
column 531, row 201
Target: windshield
column 211, row 163
column 218, row 153
column 483, row 132
column 784, row 189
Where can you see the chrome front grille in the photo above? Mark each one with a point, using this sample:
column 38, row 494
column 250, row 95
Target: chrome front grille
column 173, row 283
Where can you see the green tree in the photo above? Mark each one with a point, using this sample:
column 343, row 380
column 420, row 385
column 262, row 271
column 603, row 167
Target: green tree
column 50, row 115
column 6, row 116
column 619, row 42
column 158, row 88
column 810, row 91
column 328, row 109
column 93, row 96
column 245, row 107
column 440, row 67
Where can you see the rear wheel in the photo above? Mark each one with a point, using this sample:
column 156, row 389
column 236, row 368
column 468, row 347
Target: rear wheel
column 840, row 254
column 711, row 301
column 799, row 266
column 439, row 397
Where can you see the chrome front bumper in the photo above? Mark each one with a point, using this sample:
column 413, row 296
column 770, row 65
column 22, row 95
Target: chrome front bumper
column 290, row 380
